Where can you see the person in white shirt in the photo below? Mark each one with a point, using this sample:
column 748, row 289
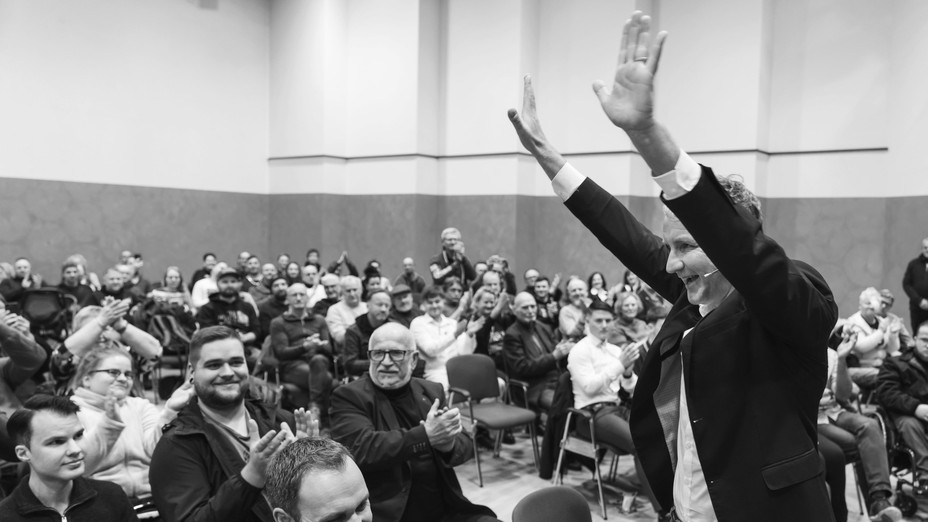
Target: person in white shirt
column 439, row 338
column 344, row 313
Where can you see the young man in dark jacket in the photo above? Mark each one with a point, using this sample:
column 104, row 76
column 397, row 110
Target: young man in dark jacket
column 227, row 308
column 46, row 432
column 210, row 463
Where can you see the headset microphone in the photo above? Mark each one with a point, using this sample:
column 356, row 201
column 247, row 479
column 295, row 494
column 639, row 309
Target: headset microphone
column 710, row 273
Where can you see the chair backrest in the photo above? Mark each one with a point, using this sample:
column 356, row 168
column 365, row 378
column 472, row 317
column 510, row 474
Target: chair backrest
column 475, row 373
column 43, row 305
column 553, row 504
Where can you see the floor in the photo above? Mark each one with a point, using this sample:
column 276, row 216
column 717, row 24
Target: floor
column 512, row 476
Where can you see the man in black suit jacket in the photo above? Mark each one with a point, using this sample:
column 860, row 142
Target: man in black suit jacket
column 738, row 368
column 403, row 438
column 531, row 354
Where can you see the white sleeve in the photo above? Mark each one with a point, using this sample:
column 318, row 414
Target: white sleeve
column 681, row 179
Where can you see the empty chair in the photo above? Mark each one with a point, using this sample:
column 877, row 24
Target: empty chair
column 552, row 504
column 473, row 377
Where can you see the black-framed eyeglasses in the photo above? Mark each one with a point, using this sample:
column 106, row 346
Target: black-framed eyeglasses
column 395, row 355
column 114, row 373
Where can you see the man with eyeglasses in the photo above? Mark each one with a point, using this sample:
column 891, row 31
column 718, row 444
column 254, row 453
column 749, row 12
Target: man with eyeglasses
column 403, row 438
column 902, row 388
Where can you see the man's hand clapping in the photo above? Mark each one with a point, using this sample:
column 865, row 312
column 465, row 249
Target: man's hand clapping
column 262, row 452
column 442, row 426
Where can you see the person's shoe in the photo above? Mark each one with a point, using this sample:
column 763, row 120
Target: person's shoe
column 509, row 438
column 882, row 511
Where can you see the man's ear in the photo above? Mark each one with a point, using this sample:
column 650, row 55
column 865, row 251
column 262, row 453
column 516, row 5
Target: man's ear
column 23, row 453
column 281, row 516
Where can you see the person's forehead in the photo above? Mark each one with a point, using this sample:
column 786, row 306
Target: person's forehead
column 310, row 269
column 49, row 424
column 296, row 291
column 600, row 315
column 327, row 493
column 222, row 350
column 229, row 279
column 575, row 283
column 391, row 343
column 521, row 301
column 380, row 298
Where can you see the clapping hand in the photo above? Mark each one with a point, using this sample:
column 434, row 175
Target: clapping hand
column 113, row 311
column 629, row 101
column 262, row 452
column 306, row 425
column 442, row 427
column 180, row 397
column 629, row 354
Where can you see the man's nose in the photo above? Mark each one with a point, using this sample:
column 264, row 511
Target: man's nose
column 674, row 264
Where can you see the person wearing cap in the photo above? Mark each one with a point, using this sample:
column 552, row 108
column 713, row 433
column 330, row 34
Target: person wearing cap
column 411, row 279
column 227, row 308
column 404, row 305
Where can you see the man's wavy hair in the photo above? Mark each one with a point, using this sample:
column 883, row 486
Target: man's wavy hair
column 739, row 193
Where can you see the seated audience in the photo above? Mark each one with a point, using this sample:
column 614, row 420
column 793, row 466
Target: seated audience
column 411, row 279
column 489, row 339
column 896, row 324
column 209, row 261
column 499, row 264
column 227, row 308
column 272, row 307
column 312, row 258
column 330, row 284
column 531, row 354
column 114, row 286
column 251, row 273
column 22, row 358
column 241, row 263
column 856, row 434
column 70, row 285
column 598, row 370
column 262, row 290
column 86, row 276
column 572, row 317
column 13, row 288
column 597, row 287
column 142, row 285
column 404, row 305
column 283, row 261
column 120, row 432
column 902, row 388
column 47, row 434
column 407, row 456
column 456, row 300
column 335, row 267
column 294, row 272
column 343, row 314
column 300, row 341
column 316, row 480
column 655, row 308
column 211, row 460
column 874, row 339
column 628, row 328
column 96, row 326
column 438, row 337
column 547, row 305
column 354, row 356
column 451, row 261
column 310, row 278
column 171, row 289
column 207, row 286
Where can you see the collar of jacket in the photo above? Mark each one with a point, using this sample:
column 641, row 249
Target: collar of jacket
column 26, row 501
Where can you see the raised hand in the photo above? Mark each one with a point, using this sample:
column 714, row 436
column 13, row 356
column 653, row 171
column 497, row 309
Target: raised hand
column 629, row 355
column 441, row 426
column 629, row 101
column 306, row 424
column 180, row 397
column 261, row 453
column 110, row 406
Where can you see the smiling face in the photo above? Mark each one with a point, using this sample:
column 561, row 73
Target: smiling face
column 576, row 291
column 434, row 307
column 310, row 275
column 403, row 302
column 378, row 308
column 221, row 374
column 524, row 308
column 628, row 308
column 101, row 381
column 54, row 453
column 688, row 262
column 387, row 373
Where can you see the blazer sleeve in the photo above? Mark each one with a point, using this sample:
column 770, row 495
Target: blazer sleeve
column 790, row 298
column 891, row 389
column 373, row 449
column 639, row 249
column 519, row 363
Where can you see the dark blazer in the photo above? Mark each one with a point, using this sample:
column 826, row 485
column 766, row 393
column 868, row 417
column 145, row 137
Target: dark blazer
column 528, row 360
column 364, row 421
column 902, row 384
column 756, row 368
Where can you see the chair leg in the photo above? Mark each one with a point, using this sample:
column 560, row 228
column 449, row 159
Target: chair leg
column 599, row 486
column 531, row 429
column 497, row 443
column 860, row 500
column 473, row 440
column 557, row 469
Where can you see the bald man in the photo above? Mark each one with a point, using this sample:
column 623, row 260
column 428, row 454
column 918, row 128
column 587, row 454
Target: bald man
column 403, row 438
column 531, row 354
column 412, row 279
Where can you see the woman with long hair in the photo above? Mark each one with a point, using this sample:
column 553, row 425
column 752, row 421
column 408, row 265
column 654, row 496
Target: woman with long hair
column 597, row 286
column 171, row 288
column 121, row 431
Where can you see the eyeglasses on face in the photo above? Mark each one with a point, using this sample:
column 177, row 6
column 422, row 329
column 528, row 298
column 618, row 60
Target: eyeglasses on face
column 114, row 373
column 395, row 355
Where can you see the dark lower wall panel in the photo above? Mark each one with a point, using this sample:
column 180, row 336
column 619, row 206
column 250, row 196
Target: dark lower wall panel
column 855, row 242
column 48, row 220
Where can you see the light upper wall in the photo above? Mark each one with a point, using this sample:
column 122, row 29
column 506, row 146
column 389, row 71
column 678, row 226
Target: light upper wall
column 199, row 93
column 166, row 93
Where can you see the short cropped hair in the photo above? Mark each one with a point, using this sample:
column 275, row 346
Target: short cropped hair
column 349, row 280
column 288, row 467
column 432, row 292
column 207, row 335
column 450, row 231
column 19, row 427
column 208, row 254
column 69, row 264
column 598, row 304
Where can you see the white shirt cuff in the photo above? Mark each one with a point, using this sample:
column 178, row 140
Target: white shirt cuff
column 567, row 181
column 681, row 179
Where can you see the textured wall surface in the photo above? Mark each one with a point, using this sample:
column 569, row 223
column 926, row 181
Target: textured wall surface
column 854, row 242
column 48, row 220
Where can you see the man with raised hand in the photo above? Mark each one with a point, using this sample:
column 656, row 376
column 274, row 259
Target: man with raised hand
column 724, row 412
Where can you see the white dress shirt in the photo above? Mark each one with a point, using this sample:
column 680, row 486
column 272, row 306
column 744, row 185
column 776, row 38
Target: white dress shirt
column 437, row 343
column 690, row 491
column 596, row 372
